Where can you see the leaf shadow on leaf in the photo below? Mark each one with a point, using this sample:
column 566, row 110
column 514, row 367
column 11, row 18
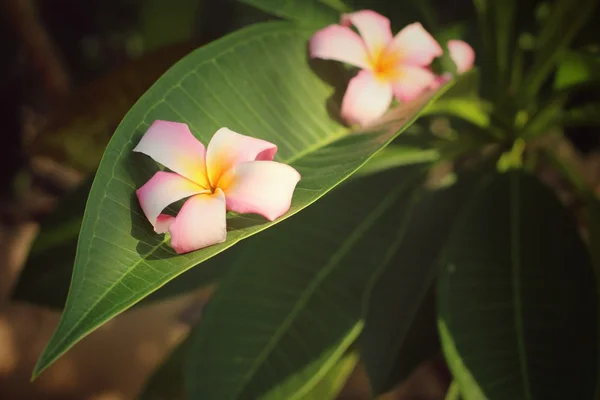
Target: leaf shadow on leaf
column 336, row 75
column 140, row 168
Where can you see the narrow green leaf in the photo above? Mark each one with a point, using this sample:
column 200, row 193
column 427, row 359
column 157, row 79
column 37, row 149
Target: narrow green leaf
column 333, row 382
column 400, row 329
column 475, row 111
column 453, row 392
column 497, row 28
column 463, row 101
column 397, row 155
column 120, row 260
column 577, row 68
column 547, row 117
column 310, row 13
column 517, row 297
column 566, row 19
column 294, row 301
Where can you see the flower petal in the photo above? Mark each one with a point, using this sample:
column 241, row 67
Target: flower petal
column 173, row 145
column 367, row 98
column 415, row 45
column 462, row 54
column 411, row 82
column 163, row 189
column 260, row 187
column 373, row 27
column 163, row 222
column 227, row 148
column 200, row 223
column 339, row 43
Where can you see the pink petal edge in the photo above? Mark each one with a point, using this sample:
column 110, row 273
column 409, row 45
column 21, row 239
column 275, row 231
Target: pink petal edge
column 260, row 187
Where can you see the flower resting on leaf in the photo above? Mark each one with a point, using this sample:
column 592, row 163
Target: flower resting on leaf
column 235, row 173
column 392, row 66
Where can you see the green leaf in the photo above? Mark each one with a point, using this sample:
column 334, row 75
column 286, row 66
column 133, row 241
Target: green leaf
column 463, row 101
column 166, row 383
column 120, row 260
column 295, row 300
column 577, row 68
column 566, row 19
column 397, row 155
column 496, row 25
column 310, row 13
column 333, row 382
column 453, row 391
column 548, row 116
column 517, row 297
column 400, row 329
column 473, row 110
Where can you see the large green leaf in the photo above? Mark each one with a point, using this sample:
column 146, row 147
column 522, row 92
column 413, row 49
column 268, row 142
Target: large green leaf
column 400, row 329
column 46, row 276
column 517, row 297
column 256, row 81
column 294, row 300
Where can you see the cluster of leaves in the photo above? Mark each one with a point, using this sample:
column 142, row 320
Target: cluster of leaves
column 381, row 267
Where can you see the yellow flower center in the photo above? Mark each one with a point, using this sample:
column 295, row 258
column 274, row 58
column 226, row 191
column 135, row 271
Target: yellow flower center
column 385, row 65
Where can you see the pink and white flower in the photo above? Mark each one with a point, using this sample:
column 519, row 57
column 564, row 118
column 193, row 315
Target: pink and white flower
column 392, row 66
column 236, row 173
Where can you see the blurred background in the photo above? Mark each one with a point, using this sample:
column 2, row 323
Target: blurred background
column 70, row 71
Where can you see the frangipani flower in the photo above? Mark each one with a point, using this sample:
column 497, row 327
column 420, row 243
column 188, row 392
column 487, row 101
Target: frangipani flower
column 235, row 172
column 392, row 66
column 463, row 56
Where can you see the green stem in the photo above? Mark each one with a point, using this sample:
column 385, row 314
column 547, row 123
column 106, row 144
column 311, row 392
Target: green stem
column 453, row 392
